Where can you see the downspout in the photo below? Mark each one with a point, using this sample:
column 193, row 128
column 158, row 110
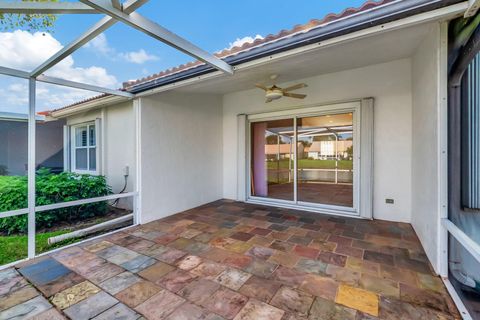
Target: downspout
column 458, row 68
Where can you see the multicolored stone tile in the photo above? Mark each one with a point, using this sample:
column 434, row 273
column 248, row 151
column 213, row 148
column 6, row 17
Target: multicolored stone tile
column 257, row 310
column 160, row 305
column 311, row 266
column 381, row 286
column 332, row 258
column 358, row 299
column 17, row 296
column 282, row 263
column 139, row 263
column 400, row 275
column 378, row 257
column 188, row 311
column 176, row 280
column 327, row 309
column 306, row 252
column 260, row 252
column 119, row 282
column 430, row 282
column 137, row 293
column 290, row 277
column 199, row 291
column 226, row 303
column 27, row 309
column 343, row 275
column 261, row 268
column 208, row 270
column 292, row 300
column 91, row 306
column 171, row 255
column 97, row 246
column 119, row 311
column 156, row 271
column 285, row 259
column 232, row 278
column 50, row 314
column 363, row 266
column 423, row 298
column 260, row 289
column 59, row 284
column 189, row 262
column 242, row 236
column 320, row 286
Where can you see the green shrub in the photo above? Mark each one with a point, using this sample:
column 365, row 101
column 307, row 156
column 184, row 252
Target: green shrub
column 50, row 189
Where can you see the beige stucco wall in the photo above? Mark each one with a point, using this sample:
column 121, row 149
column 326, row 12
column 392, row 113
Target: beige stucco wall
column 181, row 152
column 389, row 84
column 117, row 143
column 425, row 144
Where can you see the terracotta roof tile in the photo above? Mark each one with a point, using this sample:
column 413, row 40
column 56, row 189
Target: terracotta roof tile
column 299, row 28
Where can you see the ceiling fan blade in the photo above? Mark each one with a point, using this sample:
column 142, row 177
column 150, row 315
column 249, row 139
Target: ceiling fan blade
column 261, row 86
column 295, row 87
column 294, row 95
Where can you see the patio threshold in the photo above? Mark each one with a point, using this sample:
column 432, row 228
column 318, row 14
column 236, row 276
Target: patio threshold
column 227, row 260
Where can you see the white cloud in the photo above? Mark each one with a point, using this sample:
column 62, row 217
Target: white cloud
column 25, row 51
column 101, row 46
column 240, row 41
column 138, row 57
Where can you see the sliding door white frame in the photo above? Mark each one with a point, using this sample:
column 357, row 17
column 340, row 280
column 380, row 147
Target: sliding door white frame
column 362, row 206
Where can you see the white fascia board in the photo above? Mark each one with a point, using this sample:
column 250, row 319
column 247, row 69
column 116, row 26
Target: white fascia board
column 88, row 105
column 45, row 8
column 441, row 14
column 473, row 6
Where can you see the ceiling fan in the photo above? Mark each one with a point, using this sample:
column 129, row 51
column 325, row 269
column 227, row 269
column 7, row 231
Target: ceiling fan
column 274, row 92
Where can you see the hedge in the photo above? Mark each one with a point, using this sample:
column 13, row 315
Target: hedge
column 52, row 188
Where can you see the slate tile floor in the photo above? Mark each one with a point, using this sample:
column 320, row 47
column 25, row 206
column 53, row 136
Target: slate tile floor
column 230, row 260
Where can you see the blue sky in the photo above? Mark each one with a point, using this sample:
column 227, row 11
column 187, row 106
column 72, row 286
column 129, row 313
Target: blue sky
column 122, row 53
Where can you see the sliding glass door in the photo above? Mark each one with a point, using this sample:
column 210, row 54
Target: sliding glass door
column 273, row 159
column 304, row 160
column 325, row 159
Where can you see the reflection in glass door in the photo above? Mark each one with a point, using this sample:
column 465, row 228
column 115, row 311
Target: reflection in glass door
column 311, row 164
column 272, row 162
column 325, row 159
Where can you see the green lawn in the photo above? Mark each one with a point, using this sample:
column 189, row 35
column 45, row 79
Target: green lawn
column 313, row 164
column 15, row 247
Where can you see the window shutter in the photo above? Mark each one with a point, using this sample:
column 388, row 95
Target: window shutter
column 471, row 136
column 66, row 148
column 98, row 144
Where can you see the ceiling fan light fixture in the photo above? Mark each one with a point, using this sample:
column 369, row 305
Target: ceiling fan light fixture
column 274, row 94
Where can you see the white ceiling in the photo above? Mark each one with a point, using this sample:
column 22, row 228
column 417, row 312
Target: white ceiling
column 384, row 47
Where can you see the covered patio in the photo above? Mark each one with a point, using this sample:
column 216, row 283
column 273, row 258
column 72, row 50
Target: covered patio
column 232, row 260
column 337, row 205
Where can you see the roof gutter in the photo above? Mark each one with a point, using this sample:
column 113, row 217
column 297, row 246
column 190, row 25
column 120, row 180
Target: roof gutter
column 86, row 106
column 371, row 18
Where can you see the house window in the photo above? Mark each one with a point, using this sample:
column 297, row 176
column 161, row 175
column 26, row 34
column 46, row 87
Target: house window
column 84, row 148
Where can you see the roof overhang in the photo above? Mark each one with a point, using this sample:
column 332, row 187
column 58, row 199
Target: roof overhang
column 95, row 103
column 393, row 16
column 267, row 55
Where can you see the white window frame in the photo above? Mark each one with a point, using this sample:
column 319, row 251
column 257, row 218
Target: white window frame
column 73, row 148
